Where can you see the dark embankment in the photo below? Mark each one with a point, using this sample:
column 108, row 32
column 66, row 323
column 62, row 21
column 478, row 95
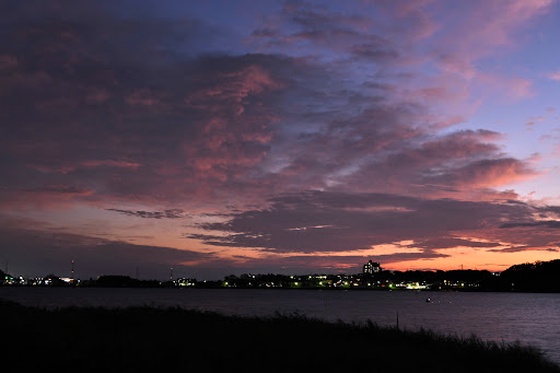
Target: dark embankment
column 150, row 339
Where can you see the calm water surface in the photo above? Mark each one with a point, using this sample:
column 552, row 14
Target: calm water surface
column 530, row 318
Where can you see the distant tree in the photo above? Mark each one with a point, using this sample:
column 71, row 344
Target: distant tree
column 117, row 281
column 534, row 277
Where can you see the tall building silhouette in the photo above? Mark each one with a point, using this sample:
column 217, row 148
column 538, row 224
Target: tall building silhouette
column 372, row 267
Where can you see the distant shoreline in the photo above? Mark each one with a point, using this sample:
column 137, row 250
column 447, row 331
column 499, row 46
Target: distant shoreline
column 538, row 277
column 217, row 288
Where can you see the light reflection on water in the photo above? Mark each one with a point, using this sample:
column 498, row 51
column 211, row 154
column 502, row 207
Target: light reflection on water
column 530, row 318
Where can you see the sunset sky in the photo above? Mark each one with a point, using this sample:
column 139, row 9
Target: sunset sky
column 226, row 137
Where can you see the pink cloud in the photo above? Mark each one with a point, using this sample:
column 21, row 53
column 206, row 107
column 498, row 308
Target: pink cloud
column 111, row 163
column 460, row 146
column 492, row 173
column 97, row 96
column 507, row 88
column 486, row 25
column 8, row 62
column 142, row 97
column 478, row 31
column 554, row 76
column 49, row 197
column 415, row 15
column 230, row 89
column 67, row 167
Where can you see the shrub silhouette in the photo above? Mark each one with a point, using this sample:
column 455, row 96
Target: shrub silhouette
column 148, row 338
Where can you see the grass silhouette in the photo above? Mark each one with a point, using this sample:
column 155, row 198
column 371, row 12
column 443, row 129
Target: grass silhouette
column 147, row 339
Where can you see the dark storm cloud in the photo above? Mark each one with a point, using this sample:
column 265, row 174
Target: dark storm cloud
column 324, row 222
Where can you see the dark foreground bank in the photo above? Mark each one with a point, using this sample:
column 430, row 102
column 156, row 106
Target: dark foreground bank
column 151, row 339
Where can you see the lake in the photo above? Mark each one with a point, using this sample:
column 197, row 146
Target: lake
column 530, row 318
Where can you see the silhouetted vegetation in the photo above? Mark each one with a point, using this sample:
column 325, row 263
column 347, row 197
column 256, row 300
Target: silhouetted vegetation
column 533, row 277
column 121, row 281
column 155, row 339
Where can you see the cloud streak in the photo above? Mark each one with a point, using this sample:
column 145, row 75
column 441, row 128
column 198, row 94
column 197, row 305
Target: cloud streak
column 167, row 214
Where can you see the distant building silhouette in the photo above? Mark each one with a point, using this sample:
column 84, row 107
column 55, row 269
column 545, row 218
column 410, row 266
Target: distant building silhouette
column 372, row 267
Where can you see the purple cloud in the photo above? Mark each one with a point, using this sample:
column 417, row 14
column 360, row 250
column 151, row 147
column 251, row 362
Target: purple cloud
column 316, row 128
column 326, row 222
